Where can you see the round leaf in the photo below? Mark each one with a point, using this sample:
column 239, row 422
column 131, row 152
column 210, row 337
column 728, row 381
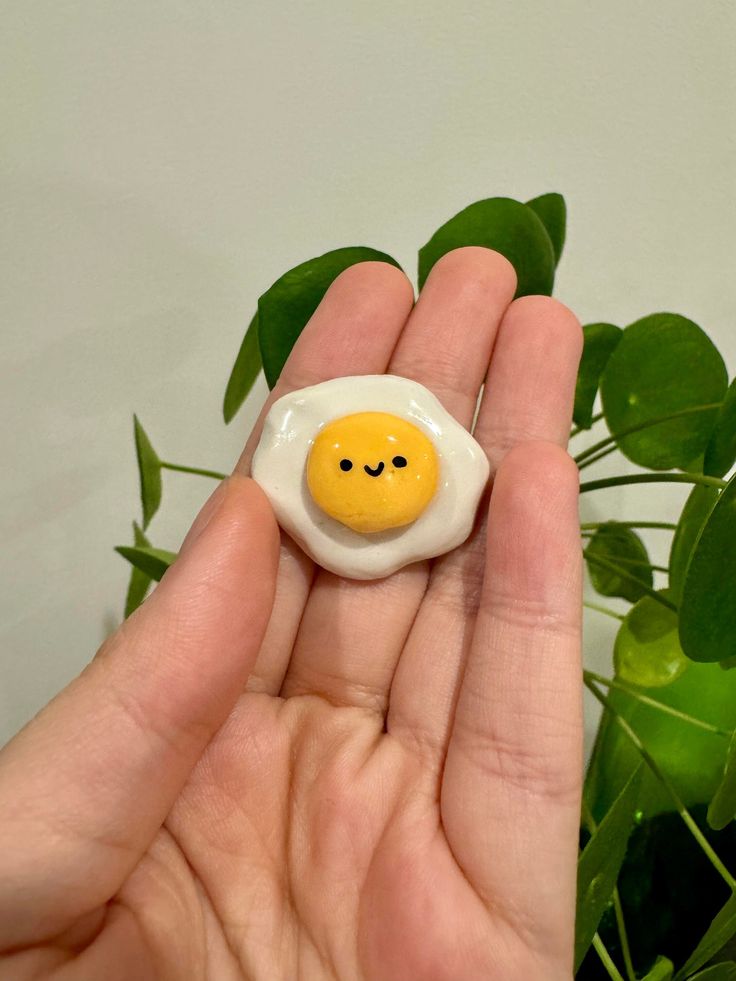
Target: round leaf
column 693, row 758
column 244, row 373
column 285, row 307
column 599, row 343
column 552, row 212
column 149, row 472
column 697, row 508
column 509, row 227
column 720, row 453
column 647, row 650
column 708, row 607
column 621, row 546
column 663, row 364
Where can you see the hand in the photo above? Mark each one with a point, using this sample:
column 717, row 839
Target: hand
column 272, row 773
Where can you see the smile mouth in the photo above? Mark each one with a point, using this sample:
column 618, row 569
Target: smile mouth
column 374, row 473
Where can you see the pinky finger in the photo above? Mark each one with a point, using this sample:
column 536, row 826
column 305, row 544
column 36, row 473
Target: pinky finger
column 513, row 775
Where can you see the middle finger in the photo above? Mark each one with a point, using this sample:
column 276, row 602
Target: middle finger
column 352, row 633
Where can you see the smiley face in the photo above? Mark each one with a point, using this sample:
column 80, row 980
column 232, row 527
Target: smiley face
column 370, row 424
column 372, row 471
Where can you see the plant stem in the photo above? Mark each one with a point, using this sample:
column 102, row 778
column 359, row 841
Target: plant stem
column 668, row 525
column 599, row 456
column 624, row 574
column 624, row 560
column 614, row 437
column 686, row 816
column 627, row 561
column 654, row 703
column 623, row 936
column 584, row 429
column 607, row 960
column 653, row 478
column 196, row 470
column 603, row 609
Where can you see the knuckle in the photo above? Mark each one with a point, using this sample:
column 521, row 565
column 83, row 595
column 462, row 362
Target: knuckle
column 458, row 585
column 540, row 458
column 532, row 614
column 521, row 765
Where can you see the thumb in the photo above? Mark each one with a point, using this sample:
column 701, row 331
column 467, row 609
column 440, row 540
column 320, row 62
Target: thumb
column 88, row 782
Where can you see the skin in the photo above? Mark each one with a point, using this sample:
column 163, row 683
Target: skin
column 272, row 773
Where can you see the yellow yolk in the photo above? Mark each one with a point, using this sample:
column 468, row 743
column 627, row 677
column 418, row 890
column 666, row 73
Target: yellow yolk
column 372, row 471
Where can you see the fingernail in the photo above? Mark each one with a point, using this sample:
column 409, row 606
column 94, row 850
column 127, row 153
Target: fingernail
column 207, row 513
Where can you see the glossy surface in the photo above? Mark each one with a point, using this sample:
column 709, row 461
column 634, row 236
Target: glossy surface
column 300, row 421
column 372, row 471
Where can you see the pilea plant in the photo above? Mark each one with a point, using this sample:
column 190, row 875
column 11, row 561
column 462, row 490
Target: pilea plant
column 656, row 897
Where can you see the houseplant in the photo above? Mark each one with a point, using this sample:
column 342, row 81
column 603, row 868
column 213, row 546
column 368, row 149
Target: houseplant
column 656, row 894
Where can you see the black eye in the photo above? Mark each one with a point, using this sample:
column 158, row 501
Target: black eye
column 346, row 465
column 399, row 461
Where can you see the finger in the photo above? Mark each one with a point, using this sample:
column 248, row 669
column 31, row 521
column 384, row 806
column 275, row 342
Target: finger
column 352, row 633
column 447, row 342
column 531, row 382
column 86, row 785
column 528, row 394
column 352, row 332
column 513, row 773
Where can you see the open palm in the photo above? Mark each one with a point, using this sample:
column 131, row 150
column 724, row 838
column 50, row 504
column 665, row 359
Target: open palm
column 273, row 773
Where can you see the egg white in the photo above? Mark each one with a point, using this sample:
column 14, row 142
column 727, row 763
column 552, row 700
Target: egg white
column 279, row 467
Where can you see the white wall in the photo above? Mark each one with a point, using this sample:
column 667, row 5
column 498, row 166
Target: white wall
column 163, row 162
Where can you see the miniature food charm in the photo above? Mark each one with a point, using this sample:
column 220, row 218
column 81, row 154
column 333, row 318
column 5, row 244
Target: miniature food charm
column 369, row 473
column 372, row 471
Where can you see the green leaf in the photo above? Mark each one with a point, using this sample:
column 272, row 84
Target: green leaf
column 285, row 307
column 663, row 364
column 692, row 758
column 722, row 809
column 552, row 212
column 662, row 970
column 726, row 971
column 622, row 546
column 149, row 472
column 647, row 648
column 509, row 227
column 153, row 561
column 720, row 931
column 139, row 580
column 708, row 605
column 720, row 453
column 244, row 373
column 599, row 343
column 599, row 865
column 697, row 508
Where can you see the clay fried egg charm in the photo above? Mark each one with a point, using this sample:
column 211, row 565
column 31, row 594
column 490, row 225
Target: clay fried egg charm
column 369, row 473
